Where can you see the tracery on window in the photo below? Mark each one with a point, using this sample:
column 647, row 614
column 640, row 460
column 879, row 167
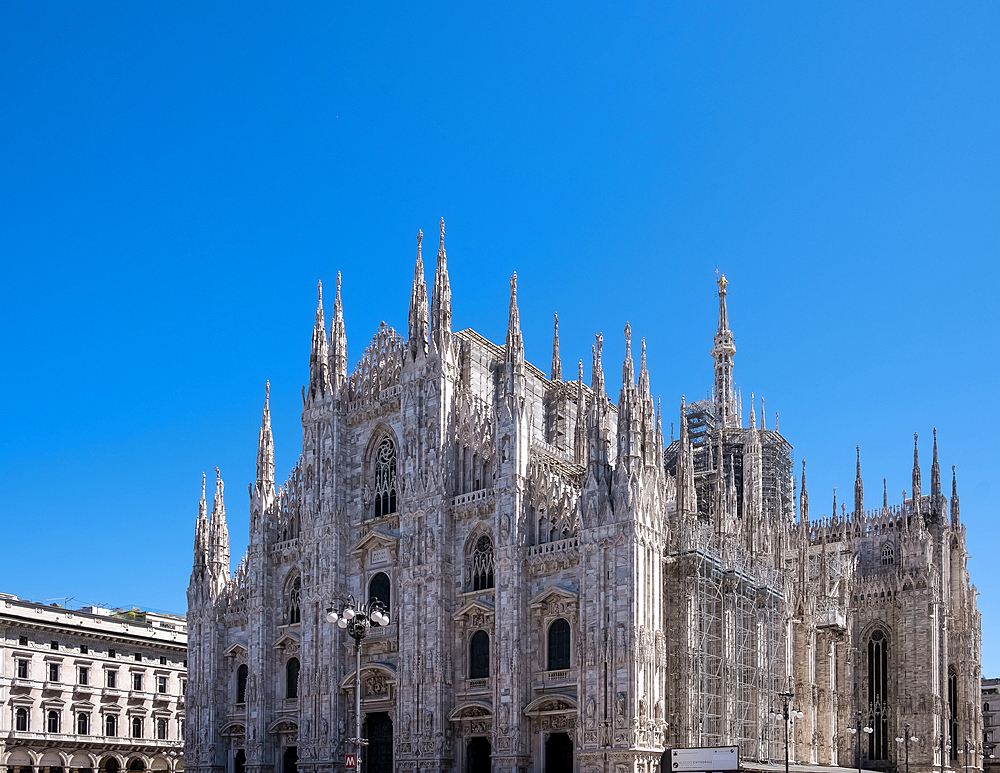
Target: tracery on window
column 888, row 555
column 878, row 696
column 482, row 564
column 294, row 601
column 385, row 478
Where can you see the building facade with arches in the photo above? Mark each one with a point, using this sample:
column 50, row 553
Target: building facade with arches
column 90, row 690
column 567, row 591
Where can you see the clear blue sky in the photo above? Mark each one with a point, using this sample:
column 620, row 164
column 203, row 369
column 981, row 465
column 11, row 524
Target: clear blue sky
column 175, row 178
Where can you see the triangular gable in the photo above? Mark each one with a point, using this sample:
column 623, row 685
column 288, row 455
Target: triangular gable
column 473, row 606
column 375, row 539
column 560, row 593
column 287, row 638
column 471, row 709
column 235, row 650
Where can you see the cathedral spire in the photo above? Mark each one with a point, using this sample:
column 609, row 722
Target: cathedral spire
column 515, row 342
column 643, row 371
column 833, row 516
column 935, row 477
column 319, row 360
column 723, row 352
column 763, row 415
column 218, row 547
column 954, row 499
column 658, row 458
column 441, row 305
column 419, row 318
column 338, row 343
column 580, row 434
column 804, row 498
column 687, row 498
column 201, row 528
column 628, row 368
column 597, row 369
column 753, row 414
column 265, row 446
column 859, row 489
column 916, row 477
column 556, row 374
column 885, row 495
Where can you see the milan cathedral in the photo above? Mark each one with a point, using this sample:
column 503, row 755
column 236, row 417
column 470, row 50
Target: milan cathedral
column 565, row 590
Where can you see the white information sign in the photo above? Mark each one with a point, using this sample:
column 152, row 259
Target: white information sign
column 705, row 759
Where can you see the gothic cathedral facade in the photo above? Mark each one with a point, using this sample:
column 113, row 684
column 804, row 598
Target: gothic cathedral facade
column 566, row 591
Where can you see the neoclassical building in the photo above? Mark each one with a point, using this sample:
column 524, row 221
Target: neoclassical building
column 90, row 690
column 567, row 590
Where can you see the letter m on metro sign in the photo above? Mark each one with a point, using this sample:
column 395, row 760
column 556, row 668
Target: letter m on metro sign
column 350, row 762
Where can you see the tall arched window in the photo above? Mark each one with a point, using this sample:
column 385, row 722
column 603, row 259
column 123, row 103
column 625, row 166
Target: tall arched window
column 482, row 564
column 111, row 725
column 878, row 696
column 379, row 589
column 888, row 555
column 53, row 721
column 385, row 478
column 292, row 678
column 83, row 724
column 21, row 719
column 161, row 730
column 953, row 710
column 294, row 601
column 559, row 645
column 479, row 655
column 137, row 727
column 241, row 683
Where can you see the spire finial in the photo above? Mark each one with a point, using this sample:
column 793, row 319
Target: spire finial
column 419, row 319
column 954, row 499
column 935, row 477
column 319, row 285
column 338, row 342
column 804, row 498
column 556, row 373
column 916, row 477
column 723, row 352
column 515, row 342
column 441, row 299
column 597, row 369
column 442, row 232
column 885, row 495
column 763, row 414
column 319, row 356
column 628, row 369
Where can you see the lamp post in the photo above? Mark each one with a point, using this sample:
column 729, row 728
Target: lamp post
column 905, row 740
column 357, row 619
column 857, row 730
column 784, row 712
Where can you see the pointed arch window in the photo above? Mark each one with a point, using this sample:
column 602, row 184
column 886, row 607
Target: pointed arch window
column 241, row 683
column 294, row 601
column 482, row 564
column 379, row 588
column 888, row 554
column 292, row 678
column 878, row 696
column 559, row 645
column 385, row 478
column 479, row 655
column 953, row 710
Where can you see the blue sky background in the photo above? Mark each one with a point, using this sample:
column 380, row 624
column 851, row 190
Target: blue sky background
column 175, row 178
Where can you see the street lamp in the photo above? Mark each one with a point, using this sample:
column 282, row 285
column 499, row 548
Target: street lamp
column 905, row 740
column 857, row 730
column 786, row 697
column 357, row 619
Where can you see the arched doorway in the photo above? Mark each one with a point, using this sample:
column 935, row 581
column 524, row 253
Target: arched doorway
column 290, row 760
column 558, row 753
column 477, row 756
column 378, row 731
column 111, row 765
column 240, row 762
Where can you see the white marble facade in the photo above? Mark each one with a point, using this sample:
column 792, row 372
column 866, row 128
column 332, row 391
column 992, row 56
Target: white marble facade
column 567, row 591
